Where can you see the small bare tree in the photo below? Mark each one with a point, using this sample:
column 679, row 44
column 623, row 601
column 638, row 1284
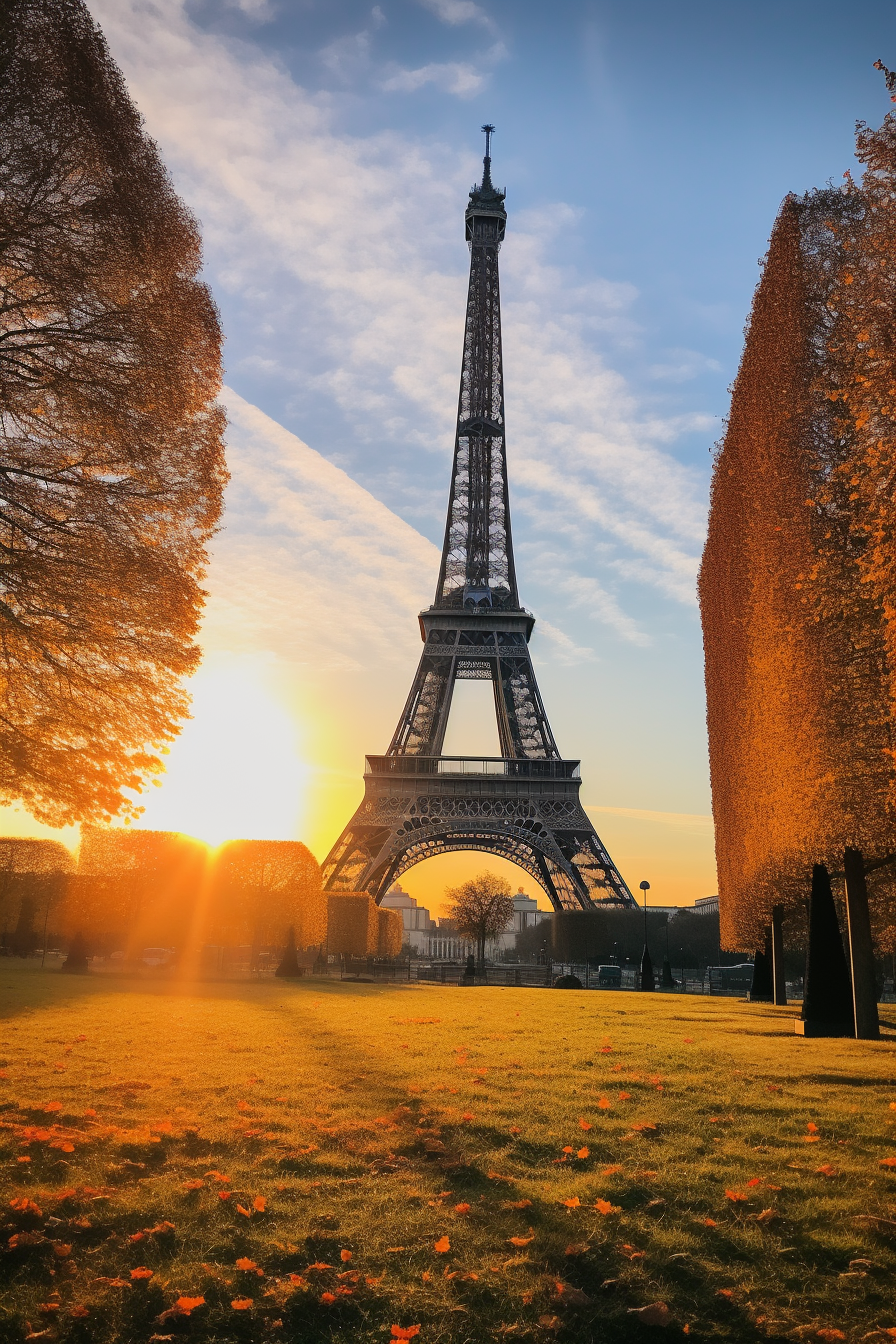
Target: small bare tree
column 482, row 908
column 111, row 452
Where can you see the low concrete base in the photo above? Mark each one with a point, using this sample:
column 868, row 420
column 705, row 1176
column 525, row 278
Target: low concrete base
column 822, row 1028
column 759, row 998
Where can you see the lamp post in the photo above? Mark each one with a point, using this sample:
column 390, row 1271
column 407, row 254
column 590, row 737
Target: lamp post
column 647, row 980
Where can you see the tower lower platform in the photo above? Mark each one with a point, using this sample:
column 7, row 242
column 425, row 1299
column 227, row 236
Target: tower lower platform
column 527, row 811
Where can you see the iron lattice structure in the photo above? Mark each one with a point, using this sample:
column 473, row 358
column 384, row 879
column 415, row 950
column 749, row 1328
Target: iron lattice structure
column 523, row 805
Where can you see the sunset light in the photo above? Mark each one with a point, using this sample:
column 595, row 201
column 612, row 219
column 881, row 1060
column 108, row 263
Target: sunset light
column 448, row 672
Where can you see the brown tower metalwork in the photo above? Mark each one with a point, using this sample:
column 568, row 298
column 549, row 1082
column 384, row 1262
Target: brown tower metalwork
column 524, row 804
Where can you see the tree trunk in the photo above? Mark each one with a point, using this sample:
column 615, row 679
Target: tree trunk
column 779, row 983
column 861, row 948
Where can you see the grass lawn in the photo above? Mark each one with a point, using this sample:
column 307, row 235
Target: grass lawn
column 325, row 1161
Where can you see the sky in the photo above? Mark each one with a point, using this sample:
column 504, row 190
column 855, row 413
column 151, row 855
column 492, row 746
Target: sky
column 327, row 147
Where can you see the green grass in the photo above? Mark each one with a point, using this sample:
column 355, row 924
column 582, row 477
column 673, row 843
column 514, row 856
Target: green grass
column 362, row 1115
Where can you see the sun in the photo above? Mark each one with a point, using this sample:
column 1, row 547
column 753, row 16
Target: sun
column 236, row 770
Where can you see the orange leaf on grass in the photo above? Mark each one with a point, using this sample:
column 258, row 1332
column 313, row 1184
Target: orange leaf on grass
column 583, row 1153
column 515, row 1129
column 736, row 1196
column 246, row 1264
column 224, row 1194
column 571, row 1203
column 625, row 1096
column 141, row 1273
column 442, row 1245
column 247, row 1213
column 259, row 1203
column 194, row 1184
column 826, row 1170
column 405, row 1331
column 517, row 1204
column 25, row 1205
column 811, row 1127
column 610, row 1171
column 567, row 1149
column 604, row 1206
column 319, row 1264
column 328, row 1298
column 468, row 1115
column 603, row 1104
column 710, row 1222
column 888, row 1162
column 345, row 1256
column 462, row 1208
column 242, row 1304
column 828, row 1332
column 521, row 1241
column 584, row 1124
column 188, row 1304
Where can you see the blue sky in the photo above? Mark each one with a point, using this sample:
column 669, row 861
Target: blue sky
column 327, row 147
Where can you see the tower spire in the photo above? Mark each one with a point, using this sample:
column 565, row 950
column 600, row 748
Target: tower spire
column 487, row 161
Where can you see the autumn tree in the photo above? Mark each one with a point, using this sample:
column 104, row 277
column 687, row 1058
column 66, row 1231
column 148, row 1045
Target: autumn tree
column 798, row 583
column 112, row 460
column 482, row 908
column 32, row 883
column 259, row 888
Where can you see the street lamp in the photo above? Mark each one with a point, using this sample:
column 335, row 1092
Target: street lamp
column 647, row 980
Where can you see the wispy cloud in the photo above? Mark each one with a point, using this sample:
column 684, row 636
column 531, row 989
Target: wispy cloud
column 459, row 11
column 341, row 257
column 458, row 77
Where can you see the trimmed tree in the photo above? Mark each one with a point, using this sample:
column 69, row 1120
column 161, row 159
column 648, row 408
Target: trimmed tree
column 482, row 909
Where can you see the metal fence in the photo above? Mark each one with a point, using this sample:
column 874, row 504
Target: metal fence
column 711, row 981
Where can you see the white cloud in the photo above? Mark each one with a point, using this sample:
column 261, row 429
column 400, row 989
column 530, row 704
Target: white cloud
column 259, row 10
column 344, row 254
column 459, row 11
column 682, row 365
column 309, row 566
column 458, row 77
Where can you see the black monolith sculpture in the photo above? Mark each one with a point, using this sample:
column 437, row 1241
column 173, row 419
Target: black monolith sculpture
column 762, row 989
column 76, row 961
column 646, row 973
column 289, row 964
column 827, row 995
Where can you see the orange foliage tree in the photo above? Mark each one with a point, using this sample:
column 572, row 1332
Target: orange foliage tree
column 113, row 466
column 261, row 887
column 798, row 582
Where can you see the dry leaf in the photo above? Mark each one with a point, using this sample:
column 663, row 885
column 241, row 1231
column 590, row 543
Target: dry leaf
column 657, row 1313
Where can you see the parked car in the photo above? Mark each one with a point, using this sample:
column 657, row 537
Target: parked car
column 609, row 976
column 157, row 956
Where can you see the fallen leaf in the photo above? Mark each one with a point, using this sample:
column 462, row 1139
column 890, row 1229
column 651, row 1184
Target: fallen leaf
column 328, row 1298
column 345, row 1256
column 242, row 1304
column 583, row 1124
column 583, row 1153
column 247, row 1265
column 141, row 1272
column 405, row 1331
column 604, row 1104
column 710, row 1222
column 766, row 1216
column 736, row 1196
column 604, row 1206
column 520, row 1241
column 571, row 1203
column 259, row 1203
column 187, row 1304
column 442, row 1245
column 610, row 1171
column 195, row 1184
column 462, row 1208
column 888, row 1162
column 657, row 1313
column 826, row 1170
column 828, row 1332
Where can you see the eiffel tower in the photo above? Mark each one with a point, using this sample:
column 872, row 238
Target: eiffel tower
column 524, row 804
